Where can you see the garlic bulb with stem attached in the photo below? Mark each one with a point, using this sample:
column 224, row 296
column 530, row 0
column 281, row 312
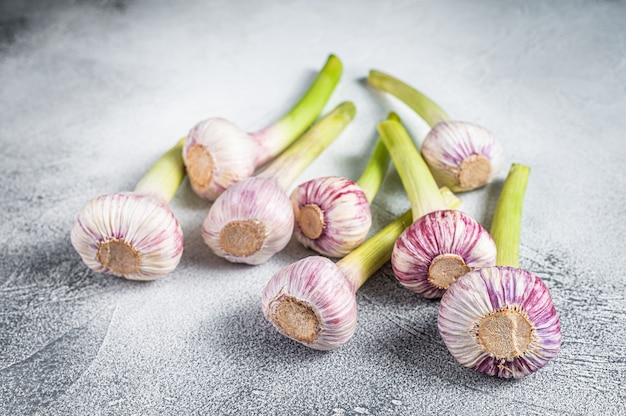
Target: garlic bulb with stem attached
column 332, row 214
column 219, row 154
column 253, row 219
column 441, row 244
column 134, row 234
column 313, row 301
column 461, row 155
column 501, row 320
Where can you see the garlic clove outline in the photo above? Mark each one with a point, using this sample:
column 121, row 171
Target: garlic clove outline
column 500, row 321
column 219, row 154
column 462, row 156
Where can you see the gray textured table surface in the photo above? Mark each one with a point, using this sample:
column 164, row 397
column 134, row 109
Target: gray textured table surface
column 91, row 92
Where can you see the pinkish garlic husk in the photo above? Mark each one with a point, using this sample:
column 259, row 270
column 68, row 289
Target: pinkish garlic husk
column 250, row 222
column 462, row 156
column 217, row 155
column 311, row 302
column 500, row 321
column 437, row 249
column 332, row 215
column 128, row 234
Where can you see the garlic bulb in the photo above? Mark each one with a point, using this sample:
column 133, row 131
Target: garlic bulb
column 253, row 220
column 312, row 301
column 249, row 223
column 437, row 249
column 134, row 234
column 462, row 156
column 128, row 235
column 218, row 154
column 500, row 321
column 332, row 215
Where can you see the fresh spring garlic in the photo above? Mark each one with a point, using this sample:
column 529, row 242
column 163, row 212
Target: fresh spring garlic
column 219, row 154
column 461, row 155
column 312, row 301
column 134, row 234
column 441, row 244
column 501, row 320
column 253, row 219
column 332, row 214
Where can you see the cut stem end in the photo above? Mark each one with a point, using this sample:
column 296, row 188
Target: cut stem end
column 311, row 221
column 119, row 256
column 297, row 320
column 242, row 238
column 445, row 269
column 505, row 334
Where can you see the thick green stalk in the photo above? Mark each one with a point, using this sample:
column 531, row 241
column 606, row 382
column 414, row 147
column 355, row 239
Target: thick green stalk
column 286, row 167
column 418, row 181
column 275, row 138
column 165, row 176
column 506, row 224
column 376, row 168
column 365, row 260
column 426, row 108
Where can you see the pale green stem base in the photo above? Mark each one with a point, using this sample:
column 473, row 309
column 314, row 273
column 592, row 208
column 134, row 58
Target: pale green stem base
column 377, row 167
column 365, row 260
column 418, row 181
column 165, row 176
column 292, row 162
column 506, row 224
column 426, row 108
column 276, row 137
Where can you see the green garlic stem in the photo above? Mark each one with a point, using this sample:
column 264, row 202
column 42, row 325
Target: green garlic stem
column 365, row 260
column 292, row 162
column 426, row 108
column 376, row 168
column 418, row 181
column 506, row 224
column 166, row 175
column 276, row 137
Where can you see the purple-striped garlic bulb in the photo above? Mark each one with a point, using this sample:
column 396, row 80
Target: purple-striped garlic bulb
column 128, row 234
column 250, row 222
column 437, row 249
column 134, row 234
column 332, row 215
column 253, row 219
column 500, row 321
column 218, row 154
column 462, row 155
column 311, row 302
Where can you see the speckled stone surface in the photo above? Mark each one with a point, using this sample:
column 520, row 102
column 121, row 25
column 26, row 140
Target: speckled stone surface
column 93, row 91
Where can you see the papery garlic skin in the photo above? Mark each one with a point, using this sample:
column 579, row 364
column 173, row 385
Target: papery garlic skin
column 527, row 341
column 344, row 215
column 218, row 154
column 437, row 235
column 311, row 302
column 143, row 226
column 461, row 155
column 259, row 217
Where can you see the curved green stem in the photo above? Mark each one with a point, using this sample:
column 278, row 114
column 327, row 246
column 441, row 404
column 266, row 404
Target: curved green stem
column 506, row 224
column 374, row 173
column 276, row 137
column 421, row 104
column 165, row 176
column 292, row 162
column 365, row 260
column 418, row 181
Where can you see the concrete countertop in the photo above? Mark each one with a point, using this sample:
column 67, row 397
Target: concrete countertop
column 92, row 92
